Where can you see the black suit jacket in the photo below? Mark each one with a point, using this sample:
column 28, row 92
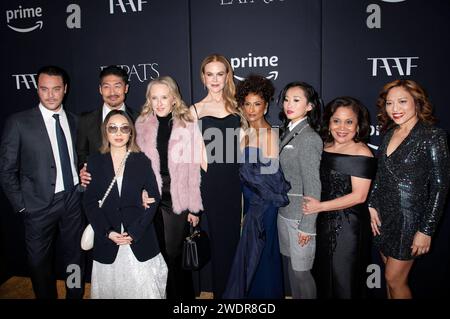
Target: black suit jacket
column 125, row 209
column 27, row 164
column 89, row 137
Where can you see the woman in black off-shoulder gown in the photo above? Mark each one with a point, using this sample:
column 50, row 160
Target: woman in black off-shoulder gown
column 343, row 229
column 343, row 236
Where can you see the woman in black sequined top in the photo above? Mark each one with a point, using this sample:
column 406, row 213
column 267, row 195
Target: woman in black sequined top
column 412, row 181
column 346, row 172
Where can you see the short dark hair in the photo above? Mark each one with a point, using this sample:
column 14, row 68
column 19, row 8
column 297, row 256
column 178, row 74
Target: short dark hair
column 357, row 107
column 54, row 71
column 114, row 70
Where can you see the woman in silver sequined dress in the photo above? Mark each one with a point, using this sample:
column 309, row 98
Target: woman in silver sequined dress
column 411, row 184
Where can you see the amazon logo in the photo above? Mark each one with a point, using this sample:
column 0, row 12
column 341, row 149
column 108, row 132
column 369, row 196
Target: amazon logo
column 253, row 62
column 373, row 21
column 24, row 13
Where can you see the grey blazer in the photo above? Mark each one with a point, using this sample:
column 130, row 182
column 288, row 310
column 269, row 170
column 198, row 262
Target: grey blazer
column 300, row 154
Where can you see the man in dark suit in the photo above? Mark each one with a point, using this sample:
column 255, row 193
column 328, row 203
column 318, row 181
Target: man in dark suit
column 113, row 89
column 38, row 174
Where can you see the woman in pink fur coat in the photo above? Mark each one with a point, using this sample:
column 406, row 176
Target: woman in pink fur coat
column 169, row 135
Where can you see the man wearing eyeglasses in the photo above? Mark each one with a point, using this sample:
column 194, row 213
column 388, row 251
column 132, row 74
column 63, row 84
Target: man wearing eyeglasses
column 113, row 89
column 38, row 174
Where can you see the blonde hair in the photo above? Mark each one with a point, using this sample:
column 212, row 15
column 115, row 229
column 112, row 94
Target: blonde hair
column 229, row 89
column 180, row 110
column 131, row 144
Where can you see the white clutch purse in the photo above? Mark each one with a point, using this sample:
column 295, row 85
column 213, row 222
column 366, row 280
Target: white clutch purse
column 87, row 239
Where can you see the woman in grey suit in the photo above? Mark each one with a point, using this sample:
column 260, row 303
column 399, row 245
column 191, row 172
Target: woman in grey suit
column 300, row 154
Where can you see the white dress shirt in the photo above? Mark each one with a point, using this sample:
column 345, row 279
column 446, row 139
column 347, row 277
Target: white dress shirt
column 106, row 110
column 292, row 125
column 50, row 121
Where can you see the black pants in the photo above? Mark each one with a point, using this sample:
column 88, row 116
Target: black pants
column 41, row 227
column 171, row 230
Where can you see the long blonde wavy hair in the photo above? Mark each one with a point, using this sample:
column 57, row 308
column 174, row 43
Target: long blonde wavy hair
column 229, row 90
column 180, row 110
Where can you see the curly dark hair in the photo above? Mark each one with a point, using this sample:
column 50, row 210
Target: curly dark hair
column 423, row 106
column 357, row 107
column 313, row 116
column 255, row 84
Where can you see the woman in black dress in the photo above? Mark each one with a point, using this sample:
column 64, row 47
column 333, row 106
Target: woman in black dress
column 220, row 122
column 346, row 170
column 412, row 181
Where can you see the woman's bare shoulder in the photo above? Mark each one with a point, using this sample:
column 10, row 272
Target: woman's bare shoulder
column 362, row 149
column 196, row 109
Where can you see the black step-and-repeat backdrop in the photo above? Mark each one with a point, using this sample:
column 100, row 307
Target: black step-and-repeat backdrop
column 342, row 47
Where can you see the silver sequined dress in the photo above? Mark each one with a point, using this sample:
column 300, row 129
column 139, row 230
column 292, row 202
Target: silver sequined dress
column 410, row 188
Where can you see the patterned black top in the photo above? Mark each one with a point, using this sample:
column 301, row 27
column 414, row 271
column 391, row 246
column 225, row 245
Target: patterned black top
column 410, row 188
column 336, row 171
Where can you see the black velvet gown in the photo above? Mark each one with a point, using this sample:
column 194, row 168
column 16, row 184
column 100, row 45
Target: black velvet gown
column 222, row 196
column 410, row 188
column 343, row 236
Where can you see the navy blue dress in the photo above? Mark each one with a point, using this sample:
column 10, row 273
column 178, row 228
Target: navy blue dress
column 257, row 270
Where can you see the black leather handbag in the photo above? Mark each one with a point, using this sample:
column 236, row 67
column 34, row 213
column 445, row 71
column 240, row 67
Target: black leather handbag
column 196, row 249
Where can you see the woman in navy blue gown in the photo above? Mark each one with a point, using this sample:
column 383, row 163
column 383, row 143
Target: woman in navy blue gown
column 257, row 270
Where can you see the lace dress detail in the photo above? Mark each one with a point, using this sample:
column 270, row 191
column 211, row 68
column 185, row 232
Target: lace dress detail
column 128, row 278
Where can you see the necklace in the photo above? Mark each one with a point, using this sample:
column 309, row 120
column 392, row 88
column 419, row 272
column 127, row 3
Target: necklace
column 119, row 170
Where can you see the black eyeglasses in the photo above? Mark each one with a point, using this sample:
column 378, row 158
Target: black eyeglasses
column 113, row 129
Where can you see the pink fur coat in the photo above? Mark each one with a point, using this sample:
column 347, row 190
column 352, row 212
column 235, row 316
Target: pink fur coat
column 184, row 158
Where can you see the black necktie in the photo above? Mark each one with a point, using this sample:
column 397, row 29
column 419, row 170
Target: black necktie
column 284, row 131
column 63, row 155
